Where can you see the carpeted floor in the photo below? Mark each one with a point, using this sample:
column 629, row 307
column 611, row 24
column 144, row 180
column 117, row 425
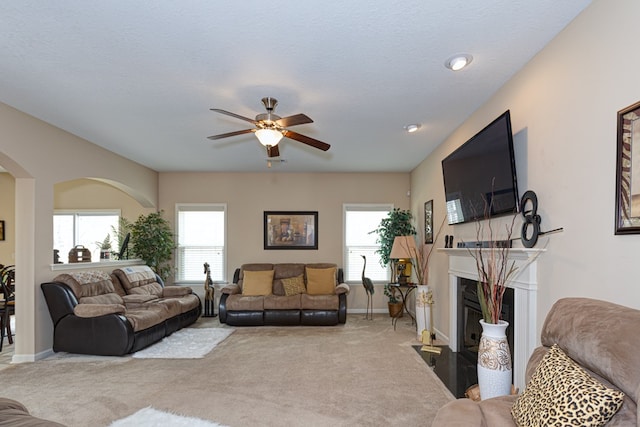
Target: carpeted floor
column 360, row 374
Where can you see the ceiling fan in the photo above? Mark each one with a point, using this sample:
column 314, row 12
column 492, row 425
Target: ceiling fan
column 270, row 128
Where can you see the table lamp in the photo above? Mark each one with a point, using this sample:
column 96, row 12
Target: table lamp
column 404, row 249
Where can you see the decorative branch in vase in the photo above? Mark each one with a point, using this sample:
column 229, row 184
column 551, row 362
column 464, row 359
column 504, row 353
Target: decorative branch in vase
column 494, row 269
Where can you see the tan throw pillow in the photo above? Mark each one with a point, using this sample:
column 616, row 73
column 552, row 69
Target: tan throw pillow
column 321, row 281
column 560, row 392
column 294, row 285
column 256, row 283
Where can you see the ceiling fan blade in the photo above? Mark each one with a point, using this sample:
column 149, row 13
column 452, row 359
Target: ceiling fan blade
column 298, row 119
column 237, row 116
column 226, row 135
column 306, row 140
column 273, row 151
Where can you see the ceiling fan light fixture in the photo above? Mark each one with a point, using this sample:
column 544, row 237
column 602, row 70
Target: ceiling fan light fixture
column 268, row 137
column 458, row 62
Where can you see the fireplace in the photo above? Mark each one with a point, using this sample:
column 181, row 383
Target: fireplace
column 470, row 313
column 522, row 305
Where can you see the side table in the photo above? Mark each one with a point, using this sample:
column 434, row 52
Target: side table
column 404, row 289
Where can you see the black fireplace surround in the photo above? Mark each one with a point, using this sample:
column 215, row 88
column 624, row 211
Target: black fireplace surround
column 470, row 313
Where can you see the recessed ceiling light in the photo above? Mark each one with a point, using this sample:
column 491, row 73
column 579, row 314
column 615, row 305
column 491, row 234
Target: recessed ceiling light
column 458, row 62
column 412, row 128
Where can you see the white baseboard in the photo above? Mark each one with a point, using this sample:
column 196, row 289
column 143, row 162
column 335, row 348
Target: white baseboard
column 28, row 358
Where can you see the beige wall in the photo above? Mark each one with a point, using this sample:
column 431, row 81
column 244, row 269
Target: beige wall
column 7, row 214
column 92, row 194
column 248, row 195
column 563, row 108
column 39, row 155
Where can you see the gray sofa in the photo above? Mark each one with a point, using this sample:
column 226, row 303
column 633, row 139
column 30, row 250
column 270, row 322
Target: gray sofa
column 277, row 303
column 601, row 337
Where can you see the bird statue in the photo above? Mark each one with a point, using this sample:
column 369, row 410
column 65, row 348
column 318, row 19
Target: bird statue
column 368, row 287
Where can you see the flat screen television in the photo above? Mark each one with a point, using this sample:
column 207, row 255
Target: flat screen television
column 482, row 173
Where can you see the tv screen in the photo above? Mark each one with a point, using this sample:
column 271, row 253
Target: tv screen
column 482, row 173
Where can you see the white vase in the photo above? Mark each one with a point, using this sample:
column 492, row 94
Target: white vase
column 494, row 361
column 422, row 310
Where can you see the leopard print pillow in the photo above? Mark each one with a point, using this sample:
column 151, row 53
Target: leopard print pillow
column 294, row 286
column 561, row 393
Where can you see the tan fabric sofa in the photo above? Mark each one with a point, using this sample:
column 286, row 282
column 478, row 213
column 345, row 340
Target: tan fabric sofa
column 320, row 300
column 15, row 414
column 600, row 336
column 114, row 314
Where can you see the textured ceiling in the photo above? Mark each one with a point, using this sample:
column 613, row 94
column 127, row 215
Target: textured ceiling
column 138, row 78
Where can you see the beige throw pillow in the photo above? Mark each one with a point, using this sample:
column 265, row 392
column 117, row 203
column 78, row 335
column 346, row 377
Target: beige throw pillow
column 560, row 392
column 255, row 283
column 294, row 285
column 321, row 281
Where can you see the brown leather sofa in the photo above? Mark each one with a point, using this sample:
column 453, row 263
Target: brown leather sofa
column 113, row 315
column 15, row 414
column 293, row 294
column 601, row 337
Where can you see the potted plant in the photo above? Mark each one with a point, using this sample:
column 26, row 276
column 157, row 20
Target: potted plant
column 120, row 233
column 152, row 240
column 397, row 223
column 394, row 303
column 105, row 248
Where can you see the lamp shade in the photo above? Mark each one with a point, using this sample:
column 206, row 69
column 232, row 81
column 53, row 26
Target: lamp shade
column 404, row 247
column 268, row 137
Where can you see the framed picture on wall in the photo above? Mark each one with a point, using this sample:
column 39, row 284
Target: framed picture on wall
column 1, row 230
column 290, row 230
column 628, row 181
column 428, row 222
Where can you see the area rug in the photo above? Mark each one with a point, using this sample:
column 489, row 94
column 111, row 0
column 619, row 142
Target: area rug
column 187, row 343
column 149, row 417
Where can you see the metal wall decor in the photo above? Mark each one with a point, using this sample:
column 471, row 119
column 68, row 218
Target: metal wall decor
column 531, row 222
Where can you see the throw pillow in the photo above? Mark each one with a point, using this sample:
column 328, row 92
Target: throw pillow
column 257, row 283
column 560, row 392
column 321, row 281
column 294, row 285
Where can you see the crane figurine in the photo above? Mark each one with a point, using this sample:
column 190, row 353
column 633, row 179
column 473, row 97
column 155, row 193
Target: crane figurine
column 368, row 287
column 209, row 300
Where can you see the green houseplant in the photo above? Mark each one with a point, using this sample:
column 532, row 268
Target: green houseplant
column 397, row 223
column 120, row 233
column 152, row 240
column 394, row 303
column 105, row 248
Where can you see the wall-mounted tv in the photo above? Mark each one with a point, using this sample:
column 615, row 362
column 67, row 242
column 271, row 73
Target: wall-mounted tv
column 482, row 173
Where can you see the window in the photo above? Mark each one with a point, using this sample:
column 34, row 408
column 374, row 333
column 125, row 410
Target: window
column 200, row 238
column 359, row 221
column 84, row 227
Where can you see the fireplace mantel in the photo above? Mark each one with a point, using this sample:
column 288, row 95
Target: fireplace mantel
column 525, row 285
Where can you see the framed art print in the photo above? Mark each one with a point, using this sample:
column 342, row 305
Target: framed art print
column 428, row 222
column 290, row 230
